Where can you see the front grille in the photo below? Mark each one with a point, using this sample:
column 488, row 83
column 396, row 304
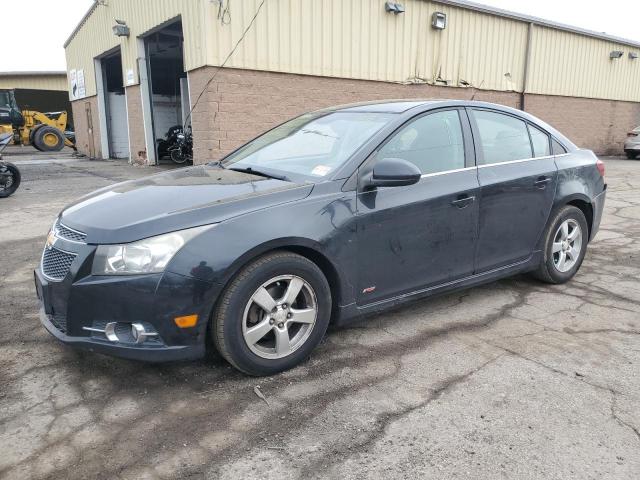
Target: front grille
column 56, row 263
column 69, row 234
column 59, row 321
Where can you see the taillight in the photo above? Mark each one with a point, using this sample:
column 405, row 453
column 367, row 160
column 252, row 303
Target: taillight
column 632, row 134
column 600, row 167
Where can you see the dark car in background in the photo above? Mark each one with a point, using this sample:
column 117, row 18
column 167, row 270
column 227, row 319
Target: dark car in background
column 333, row 215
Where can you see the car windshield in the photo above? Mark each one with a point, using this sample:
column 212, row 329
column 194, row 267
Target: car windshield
column 314, row 144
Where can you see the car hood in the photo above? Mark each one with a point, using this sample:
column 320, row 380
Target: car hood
column 175, row 200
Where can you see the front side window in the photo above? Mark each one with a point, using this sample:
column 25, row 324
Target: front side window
column 433, row 143
column 540, row 141
column 314, row 145
column 503, row 138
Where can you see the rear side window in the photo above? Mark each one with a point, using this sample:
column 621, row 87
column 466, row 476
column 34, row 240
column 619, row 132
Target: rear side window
column 540, row 142
column 558, row 149
column 503, row 138
column 433, row 143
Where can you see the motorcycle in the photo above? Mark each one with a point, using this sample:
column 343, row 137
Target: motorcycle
column 164, row 145
column 9, row 173
column 182, row 152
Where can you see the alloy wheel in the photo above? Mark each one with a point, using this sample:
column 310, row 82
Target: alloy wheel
column 279, row 317
column 567, row 245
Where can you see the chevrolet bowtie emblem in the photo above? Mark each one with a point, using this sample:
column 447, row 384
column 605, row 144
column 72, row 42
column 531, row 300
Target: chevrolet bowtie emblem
column 51, row 240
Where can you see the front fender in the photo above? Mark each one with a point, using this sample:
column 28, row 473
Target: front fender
column 324, row 225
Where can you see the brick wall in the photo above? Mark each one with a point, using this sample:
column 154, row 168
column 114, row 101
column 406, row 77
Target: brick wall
column 240, row 104
column 137, row 144
column 87, row 126
column 599, row 125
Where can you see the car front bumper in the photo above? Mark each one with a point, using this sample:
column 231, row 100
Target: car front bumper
column 632, row 146
column 68, row 309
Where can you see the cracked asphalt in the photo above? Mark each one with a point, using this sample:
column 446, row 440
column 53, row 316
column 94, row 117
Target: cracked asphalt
column 515, row 379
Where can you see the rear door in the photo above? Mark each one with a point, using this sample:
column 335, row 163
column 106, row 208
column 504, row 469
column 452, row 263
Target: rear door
column 517, row 176
column 424, row 234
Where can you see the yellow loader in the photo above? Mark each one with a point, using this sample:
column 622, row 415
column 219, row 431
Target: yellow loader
column 45, row 131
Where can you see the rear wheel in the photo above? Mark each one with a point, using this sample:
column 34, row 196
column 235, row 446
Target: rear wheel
column 273, row 314
column 48, row 139
column 565, row 245
column 9, row 179
column 631, row 155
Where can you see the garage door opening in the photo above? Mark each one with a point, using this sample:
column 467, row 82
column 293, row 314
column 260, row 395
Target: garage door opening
column 168, row 85
column 115, row 106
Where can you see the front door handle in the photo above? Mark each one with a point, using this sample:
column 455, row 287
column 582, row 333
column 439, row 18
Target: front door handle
column 463, row 201
column 541, row 182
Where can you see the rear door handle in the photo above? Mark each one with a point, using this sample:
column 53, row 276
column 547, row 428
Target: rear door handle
column 541, row 182
column 462, row 202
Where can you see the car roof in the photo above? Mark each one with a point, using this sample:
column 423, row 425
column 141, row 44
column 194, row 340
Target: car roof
column 416, row 106
column 404, row 105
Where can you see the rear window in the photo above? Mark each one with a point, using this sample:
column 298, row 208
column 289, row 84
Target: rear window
column 557, row 147
column 540, row 141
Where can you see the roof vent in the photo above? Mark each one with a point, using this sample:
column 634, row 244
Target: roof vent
column 394, row 7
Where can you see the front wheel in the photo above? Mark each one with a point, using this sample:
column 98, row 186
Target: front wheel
column 9, row 179
column 631, row 155
column 273, row 314
column 178, row 156
column 565, row 245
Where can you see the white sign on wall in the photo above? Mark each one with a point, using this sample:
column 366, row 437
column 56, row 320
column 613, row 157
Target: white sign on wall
column 77, row 88
column 82, row 89
column 131, row 79
column 73, row 85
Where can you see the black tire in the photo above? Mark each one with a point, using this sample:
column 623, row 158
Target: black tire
column 631, row 155
column 547, row 271
column 48, row 139
column 32, row 135
column 226, row 328
column 178, row 157
column 15, row 173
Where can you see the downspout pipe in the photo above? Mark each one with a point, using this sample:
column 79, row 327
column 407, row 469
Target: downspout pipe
column 527, row 62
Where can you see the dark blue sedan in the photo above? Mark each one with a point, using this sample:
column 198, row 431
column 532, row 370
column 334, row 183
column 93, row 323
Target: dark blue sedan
column 333, row 215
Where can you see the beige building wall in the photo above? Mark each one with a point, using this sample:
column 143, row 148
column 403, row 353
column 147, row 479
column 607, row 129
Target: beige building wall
column 56, row 81
column 306, row 54
column 94, row 36
column 358, row 39
column 563, row 63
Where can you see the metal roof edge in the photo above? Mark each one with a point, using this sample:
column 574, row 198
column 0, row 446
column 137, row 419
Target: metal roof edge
column 478, row 7
column 81, row 23
column 33, row 73
column 536, row 20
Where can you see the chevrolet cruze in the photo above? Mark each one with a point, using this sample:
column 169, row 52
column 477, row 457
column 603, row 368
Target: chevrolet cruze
column 333, row 215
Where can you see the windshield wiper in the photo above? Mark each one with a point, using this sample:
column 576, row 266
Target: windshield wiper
column 253, row 171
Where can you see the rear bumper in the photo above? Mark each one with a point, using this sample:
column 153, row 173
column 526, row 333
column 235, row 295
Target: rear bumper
column 598, row 207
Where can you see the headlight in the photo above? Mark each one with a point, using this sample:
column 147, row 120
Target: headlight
column 150, row 255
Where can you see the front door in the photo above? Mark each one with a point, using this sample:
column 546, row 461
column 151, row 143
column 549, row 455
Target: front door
column 517, row 176
column 421, row 235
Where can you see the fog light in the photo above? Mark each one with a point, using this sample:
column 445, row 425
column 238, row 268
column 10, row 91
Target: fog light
column 139, row 333
column 187, row 321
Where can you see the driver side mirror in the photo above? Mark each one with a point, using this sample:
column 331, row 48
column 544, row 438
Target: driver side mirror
column 393, row 172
